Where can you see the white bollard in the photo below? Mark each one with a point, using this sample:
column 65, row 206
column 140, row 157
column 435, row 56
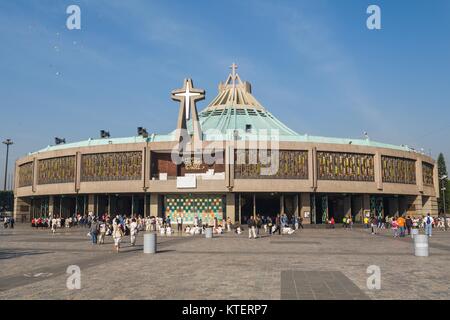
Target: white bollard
column 421, row 245
column 414, row 232
column 209, row 233
column 150, row 242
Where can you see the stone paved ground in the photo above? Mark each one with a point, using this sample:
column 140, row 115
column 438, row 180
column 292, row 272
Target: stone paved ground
column 316, row 263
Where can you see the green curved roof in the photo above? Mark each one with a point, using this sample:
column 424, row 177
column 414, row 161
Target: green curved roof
column 234, row 109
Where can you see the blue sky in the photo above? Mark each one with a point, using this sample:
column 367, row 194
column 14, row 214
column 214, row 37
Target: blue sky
column 313, row 64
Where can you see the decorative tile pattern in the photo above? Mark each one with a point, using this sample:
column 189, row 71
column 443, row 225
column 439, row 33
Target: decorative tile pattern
column 56, row 170
column 398, row 170
column 345, row 166
column 427, row 174
column 291, row 165
column 26, row 175
column 111, row 166
column 205, row 207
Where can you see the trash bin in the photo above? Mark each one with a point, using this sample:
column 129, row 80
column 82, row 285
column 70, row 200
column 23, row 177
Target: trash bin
column 150, row 242
column 421, row 245
column 209, row 232
column 414, row 232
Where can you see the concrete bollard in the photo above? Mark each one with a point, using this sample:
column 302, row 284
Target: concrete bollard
column 150, row 242
column 414, row 232
column 209, row 233
column 421, row 245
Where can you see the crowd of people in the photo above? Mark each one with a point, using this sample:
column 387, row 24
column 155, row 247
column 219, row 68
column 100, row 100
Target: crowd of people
column 403, row 224
column 122, row 225
column 8, row 222
column 280, row 224
column 99, row 227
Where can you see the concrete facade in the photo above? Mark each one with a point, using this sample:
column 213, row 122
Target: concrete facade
column 418, row 198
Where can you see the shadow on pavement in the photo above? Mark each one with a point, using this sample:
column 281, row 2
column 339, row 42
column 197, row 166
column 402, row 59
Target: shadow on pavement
column 10, row 254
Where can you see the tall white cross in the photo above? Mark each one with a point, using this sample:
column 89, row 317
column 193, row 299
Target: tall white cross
column 233, row 68
column 187, row 98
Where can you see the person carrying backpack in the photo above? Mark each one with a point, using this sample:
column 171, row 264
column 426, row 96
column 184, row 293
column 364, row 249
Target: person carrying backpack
column 94, row 230
column 409, row 225
column 428, row 225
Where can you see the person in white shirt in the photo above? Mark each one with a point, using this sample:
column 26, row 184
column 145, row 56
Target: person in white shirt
column 196, row 222
column 441, row 223
column 229, row 224
column 159, row 225
column 179, row 224
column 117, row 235
column 54, row 225
column 102, row 229
column 133, row 231
column 148, row 224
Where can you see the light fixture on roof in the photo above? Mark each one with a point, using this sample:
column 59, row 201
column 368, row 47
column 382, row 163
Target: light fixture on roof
column 60, row 140
column 366, row 135
column 104, row 134
column 142, row 132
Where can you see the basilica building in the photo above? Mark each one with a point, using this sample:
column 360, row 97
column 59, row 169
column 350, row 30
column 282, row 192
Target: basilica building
column 232, row 159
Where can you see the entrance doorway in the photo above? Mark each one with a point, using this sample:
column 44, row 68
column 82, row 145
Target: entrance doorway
column 39, row 207
column 138, row 205
column 246, row 207
column 120, row 205
column 320, row 208
column 68, row 207
column 268, row 204
column 102, row 205
column 264, row 204
column 336, row 208
column 357, row 208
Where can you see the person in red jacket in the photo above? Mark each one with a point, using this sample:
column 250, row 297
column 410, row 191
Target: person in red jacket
column 332, row 222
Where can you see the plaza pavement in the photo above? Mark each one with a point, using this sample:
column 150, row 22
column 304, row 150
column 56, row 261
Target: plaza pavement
column 310, row 264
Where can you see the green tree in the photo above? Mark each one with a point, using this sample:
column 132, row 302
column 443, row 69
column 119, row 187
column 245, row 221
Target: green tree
column 447, row 196
column 6, row 201
column 442, row 171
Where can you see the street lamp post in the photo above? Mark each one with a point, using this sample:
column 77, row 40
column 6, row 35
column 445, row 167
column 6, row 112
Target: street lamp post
column 8, row 142
column 443, row 199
